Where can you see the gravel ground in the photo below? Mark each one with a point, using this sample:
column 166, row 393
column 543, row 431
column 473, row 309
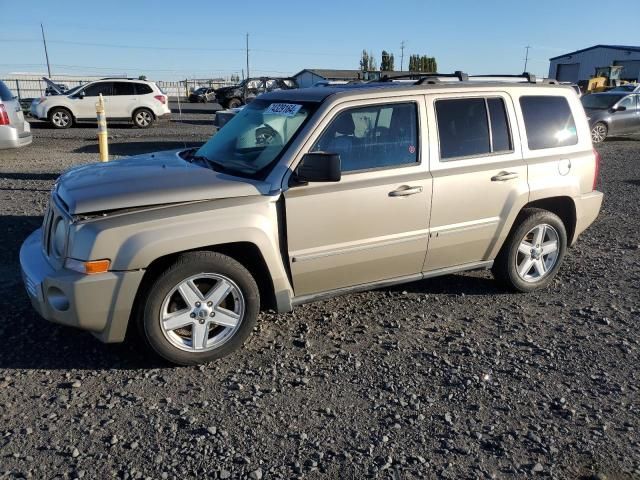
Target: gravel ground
column 445, row 378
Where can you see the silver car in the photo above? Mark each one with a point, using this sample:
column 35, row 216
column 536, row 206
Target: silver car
column 612, row 113
column 14, row 130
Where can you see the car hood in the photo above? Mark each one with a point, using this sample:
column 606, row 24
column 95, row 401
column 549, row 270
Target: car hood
column 145, row 180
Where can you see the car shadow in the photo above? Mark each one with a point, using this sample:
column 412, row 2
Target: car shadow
column 137, row 148
column 633, row 182
column 452, row 284
column 195, row 122
column 28, row 176
column 27, row 341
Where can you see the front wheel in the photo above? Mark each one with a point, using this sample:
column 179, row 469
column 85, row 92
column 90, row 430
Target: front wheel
column 61, row 118
column 201, row 308
column 599, row 132
column 533, row 251
column 143, row 118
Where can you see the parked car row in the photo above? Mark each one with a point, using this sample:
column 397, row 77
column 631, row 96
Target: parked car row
column 234, row 96
column 615, row 112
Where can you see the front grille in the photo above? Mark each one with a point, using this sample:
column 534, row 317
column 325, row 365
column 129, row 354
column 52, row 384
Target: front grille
column 30, row 285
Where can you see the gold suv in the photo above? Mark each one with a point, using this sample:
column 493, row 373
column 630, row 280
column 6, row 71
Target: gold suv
column 315, row 192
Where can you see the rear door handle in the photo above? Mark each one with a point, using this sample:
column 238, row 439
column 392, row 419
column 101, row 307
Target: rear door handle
column 405, row 191
column 503, row 176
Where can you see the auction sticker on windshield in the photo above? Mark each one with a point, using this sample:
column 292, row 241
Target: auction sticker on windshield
column 286, row 109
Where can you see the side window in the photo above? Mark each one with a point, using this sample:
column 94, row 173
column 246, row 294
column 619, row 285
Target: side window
column 628, row 102
column 272, row 84
column 143, row 89
column 500, row 136
column 253, row 84
column 123, row 88
column 548, row 122
column 373, row 137
column 463, row 127
column 95, row 89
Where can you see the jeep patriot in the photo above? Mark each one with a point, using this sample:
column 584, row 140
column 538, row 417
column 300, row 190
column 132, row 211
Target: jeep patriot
column 314, row 192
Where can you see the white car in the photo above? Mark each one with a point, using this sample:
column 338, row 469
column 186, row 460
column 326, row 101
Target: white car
column 138, row 101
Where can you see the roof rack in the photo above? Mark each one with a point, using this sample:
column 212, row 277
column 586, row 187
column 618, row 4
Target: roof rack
column 421, row 78
column 118, row 78
column 528, row 77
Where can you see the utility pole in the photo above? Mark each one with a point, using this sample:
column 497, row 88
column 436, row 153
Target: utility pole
column 526, row 57
column 401, row 54
column 46, row 54
column 247, row 43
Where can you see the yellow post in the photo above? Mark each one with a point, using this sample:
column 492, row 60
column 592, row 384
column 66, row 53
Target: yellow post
column 102, row 130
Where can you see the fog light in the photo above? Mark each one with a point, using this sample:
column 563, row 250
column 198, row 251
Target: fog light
column 57, row 299
column 89, row 267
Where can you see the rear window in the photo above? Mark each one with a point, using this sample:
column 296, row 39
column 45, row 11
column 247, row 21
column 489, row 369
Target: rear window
column 548, row 122
column 143, row 89
column 123, row 88
column 472, row 127
column 5, row 93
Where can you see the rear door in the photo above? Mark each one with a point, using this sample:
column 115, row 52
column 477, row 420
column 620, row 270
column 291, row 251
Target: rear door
column 124, row 100
column 479, row 176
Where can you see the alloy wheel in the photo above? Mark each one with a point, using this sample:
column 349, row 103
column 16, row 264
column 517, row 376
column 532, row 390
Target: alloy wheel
column 598, row 133
column 537, row 253
column 143, row 118
column 60, row 118
column 202, row 312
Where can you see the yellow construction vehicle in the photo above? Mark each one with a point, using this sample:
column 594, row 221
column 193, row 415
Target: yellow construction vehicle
column 605, row 78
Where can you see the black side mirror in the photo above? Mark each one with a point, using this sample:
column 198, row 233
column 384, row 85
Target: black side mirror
column 619, row 109
column 318, row 167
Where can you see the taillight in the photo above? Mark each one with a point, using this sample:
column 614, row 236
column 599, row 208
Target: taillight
column 596, row 173
column 4, row 116
column 161, row 98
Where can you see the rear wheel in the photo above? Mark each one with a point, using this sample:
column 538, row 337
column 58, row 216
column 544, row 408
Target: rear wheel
column 60, row 118
column 143, row 118
column 201, row 308
column 533, row 251
column 234, row 103
column 599, row 132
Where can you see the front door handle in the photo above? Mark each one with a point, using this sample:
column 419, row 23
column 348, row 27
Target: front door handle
column 405, row 191
column 503, row 176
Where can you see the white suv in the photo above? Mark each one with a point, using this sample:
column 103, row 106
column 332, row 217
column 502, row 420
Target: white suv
column 139, row 101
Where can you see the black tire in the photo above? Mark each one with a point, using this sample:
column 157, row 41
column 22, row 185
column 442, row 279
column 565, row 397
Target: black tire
column 505, row 266
column 143, row 118
column 184, row 267
column 60, row 118
column 599, row 132
column 234, row 103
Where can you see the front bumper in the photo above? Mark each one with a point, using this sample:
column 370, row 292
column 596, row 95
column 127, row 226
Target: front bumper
column 101, row 303
column 10, row 137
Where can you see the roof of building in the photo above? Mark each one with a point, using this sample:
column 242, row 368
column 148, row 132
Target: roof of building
column 611, row 47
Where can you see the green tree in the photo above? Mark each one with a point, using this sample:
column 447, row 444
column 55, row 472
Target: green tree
column 391, row 63
column 142, row 77
column 373, row 66
column 364, row 61
column 386, row 63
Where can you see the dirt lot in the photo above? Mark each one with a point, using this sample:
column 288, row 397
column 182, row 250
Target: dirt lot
column 446, row 378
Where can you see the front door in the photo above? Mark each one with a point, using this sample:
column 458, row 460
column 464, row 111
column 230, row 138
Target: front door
column 85, row 107
column 479, row 176
column 373, row 224
column 627, row 120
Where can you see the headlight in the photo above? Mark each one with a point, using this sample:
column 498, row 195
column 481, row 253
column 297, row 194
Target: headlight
column 59, row 237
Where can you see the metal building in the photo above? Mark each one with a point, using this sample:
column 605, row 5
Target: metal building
column 581, row 64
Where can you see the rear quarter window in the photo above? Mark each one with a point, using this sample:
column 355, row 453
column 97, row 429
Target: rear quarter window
column 143, row 89
column 5, row 93
column 548, row 122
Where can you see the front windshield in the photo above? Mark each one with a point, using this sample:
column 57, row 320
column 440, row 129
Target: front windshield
column 255, row 137
column 601, row 102
column 200, row 90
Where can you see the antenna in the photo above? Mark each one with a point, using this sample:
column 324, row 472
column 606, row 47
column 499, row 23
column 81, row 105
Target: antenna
column 526, row 57
column 247, row 42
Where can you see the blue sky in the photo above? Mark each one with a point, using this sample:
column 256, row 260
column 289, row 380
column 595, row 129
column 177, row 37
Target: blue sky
column 170, row 40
